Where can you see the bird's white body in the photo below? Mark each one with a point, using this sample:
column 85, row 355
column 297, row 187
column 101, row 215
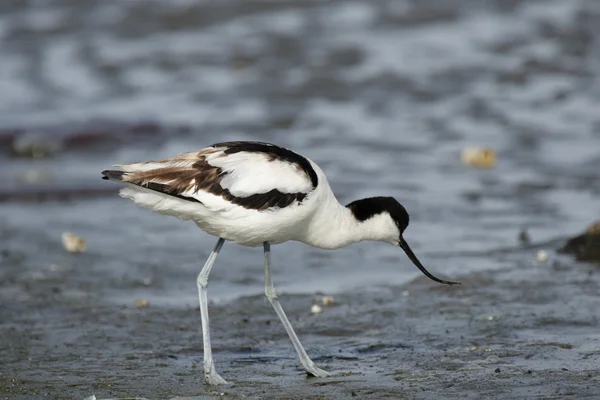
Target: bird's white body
column 255, row 194
column 319, row 220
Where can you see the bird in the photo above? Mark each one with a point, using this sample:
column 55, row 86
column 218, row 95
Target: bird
column 259, row 194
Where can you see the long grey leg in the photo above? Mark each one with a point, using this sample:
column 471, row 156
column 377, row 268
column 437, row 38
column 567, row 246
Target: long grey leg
column 271, row 294
column 210, row 373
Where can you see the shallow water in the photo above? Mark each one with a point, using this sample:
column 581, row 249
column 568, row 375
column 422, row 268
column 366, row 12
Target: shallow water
column 382, row 95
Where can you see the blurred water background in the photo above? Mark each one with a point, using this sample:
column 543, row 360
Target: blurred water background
column 382, row 94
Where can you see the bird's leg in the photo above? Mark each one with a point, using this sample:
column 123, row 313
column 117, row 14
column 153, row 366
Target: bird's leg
column 210, row 373
column 271, row 294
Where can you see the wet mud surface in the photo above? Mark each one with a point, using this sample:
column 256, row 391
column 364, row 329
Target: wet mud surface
column 384, row 96
column 497, row 335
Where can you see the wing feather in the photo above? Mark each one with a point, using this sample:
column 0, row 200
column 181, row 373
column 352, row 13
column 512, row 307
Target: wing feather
column 255, row 179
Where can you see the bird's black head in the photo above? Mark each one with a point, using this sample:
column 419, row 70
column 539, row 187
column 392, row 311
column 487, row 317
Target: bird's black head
column 365, row 209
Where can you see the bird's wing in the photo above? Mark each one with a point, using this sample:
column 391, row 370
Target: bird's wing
column 253, row 175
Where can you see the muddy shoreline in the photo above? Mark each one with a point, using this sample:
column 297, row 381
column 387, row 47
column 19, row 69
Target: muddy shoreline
column 494, row 336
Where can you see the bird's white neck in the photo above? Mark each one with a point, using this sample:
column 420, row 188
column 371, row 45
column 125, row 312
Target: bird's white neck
column 334, row 225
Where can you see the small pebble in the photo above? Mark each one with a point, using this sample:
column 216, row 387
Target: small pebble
column 316, row 309
column 142, row 303
column 478, row 157
column 73, row 243
column 541, row 256
column 327, row 300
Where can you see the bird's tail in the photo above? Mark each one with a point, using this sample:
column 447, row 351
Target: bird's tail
column 113, row 175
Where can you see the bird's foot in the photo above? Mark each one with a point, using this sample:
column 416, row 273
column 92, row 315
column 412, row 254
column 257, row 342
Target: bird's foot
column 313, row 370
column 212, row 378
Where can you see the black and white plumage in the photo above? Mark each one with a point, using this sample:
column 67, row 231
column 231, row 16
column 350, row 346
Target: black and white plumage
column 258, row 194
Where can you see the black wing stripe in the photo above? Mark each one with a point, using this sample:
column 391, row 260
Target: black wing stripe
column 206, row 178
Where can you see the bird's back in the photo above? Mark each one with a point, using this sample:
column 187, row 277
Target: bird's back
column 245, row 192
